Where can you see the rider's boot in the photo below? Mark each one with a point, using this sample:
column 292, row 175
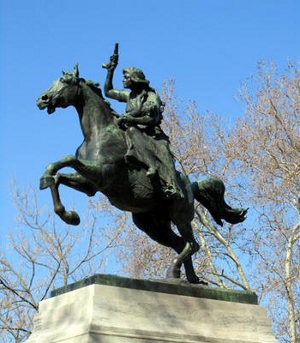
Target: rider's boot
column 152, row 171
column 172, row 192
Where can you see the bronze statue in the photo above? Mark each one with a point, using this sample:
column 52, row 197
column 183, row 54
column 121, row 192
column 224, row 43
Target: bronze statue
column 109, row 161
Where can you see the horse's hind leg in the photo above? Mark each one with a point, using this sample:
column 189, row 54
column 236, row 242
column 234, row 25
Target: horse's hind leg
column 161, row 232
column 185, row 256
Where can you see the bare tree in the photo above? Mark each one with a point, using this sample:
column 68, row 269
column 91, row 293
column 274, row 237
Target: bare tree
column 264, row 148
column 43, row 255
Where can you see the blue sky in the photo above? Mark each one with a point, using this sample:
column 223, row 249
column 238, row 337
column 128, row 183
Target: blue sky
column 209, row 47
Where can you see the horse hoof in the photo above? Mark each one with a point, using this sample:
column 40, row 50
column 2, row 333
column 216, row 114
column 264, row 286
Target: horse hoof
column 46, row 181
column 196, row 280
column 195, row 247
column 201, row 282
column 173, row 273
column 71, row 218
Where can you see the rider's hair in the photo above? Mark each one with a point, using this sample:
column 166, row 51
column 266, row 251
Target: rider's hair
column 136, row 75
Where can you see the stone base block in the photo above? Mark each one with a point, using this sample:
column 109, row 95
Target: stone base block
column 119, row 310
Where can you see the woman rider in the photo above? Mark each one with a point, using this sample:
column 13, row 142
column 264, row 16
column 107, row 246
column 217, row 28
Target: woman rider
column 146, row 141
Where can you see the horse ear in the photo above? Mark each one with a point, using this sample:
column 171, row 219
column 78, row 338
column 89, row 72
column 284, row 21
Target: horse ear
column 75, row 70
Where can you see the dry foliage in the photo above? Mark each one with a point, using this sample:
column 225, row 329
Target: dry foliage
column 43, row 255
column 264, row 147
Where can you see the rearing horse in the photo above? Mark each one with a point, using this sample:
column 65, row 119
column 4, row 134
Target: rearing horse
column 100, row 166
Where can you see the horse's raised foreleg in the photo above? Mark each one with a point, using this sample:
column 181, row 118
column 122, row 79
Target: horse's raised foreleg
column 69, row 217
column 76, row 181
column 51, row 179
column 84, row 168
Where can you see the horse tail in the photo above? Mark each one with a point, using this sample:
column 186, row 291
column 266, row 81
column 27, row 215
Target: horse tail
column 210, row 193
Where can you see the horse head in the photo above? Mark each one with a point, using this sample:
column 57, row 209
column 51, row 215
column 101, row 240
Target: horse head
column 62, row 93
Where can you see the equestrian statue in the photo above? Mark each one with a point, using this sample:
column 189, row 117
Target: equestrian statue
column 129, row 159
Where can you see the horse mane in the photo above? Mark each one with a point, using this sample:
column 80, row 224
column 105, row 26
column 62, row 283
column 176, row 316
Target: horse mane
column 94, row 86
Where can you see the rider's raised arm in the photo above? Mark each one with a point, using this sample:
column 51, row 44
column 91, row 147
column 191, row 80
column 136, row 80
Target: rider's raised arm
column 110, row 92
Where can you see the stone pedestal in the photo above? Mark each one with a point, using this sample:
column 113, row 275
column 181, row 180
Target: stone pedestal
column 110, row 309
